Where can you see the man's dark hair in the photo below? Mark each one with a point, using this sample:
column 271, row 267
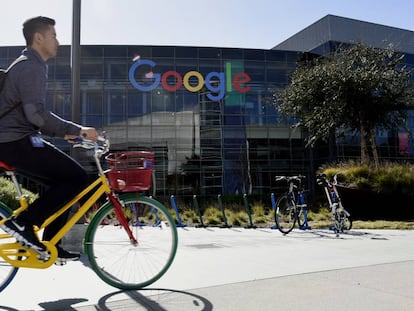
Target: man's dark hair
column 36, row 24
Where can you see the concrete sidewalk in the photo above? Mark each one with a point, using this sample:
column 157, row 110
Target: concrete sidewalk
column 244, row 269
column 379, row 287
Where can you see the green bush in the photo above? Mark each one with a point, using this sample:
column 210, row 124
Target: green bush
column 388, row 178
column 238, row 219
column 213, row 216
column 8, row 194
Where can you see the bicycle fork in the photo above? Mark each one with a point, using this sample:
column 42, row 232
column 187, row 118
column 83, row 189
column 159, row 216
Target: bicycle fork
column 121, row 217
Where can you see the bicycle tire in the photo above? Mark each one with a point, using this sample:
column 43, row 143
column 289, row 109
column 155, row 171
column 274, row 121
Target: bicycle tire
column 285, row 216
column 7, row 271
column 301, row 218
column 116, row 260
column 347, row 223
column 342, row 222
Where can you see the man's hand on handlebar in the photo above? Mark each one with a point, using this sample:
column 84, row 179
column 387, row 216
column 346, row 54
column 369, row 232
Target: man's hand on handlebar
column 89, row 133
column 85, row 132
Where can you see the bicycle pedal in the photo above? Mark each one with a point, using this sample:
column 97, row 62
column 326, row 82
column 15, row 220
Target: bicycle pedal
column 43, row 256
column 61, row 262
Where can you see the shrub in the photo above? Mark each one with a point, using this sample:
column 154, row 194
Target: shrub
column 190, row 216
column 239, row 219
column 8, row 194
column 388, row 178
column 213, row 216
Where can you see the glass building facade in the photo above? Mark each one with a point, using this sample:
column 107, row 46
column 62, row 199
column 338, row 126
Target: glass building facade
column 207, row 113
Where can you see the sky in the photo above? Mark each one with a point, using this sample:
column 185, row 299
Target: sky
column 257, row 24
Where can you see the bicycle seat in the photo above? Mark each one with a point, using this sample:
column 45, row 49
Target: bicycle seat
column 6, row 167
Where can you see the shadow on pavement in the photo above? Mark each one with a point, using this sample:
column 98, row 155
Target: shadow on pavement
column 159, row 299
column 62, row 304
column 329, row 234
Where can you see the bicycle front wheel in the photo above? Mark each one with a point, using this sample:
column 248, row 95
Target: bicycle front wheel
column 285, row 215
column 7, row 271
column 122, row 263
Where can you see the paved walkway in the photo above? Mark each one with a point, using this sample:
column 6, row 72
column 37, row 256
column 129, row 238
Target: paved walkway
column 244, row 269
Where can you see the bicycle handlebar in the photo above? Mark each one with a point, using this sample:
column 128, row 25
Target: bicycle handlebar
column 289, row 178
column 101, row 146
column 322, row 180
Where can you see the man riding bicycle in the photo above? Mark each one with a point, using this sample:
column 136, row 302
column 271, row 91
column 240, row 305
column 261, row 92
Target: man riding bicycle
column 24, row 119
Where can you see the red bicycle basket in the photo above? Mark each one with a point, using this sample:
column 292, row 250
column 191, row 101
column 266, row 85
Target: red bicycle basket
column 132, row 167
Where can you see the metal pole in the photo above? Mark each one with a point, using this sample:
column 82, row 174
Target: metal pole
column 75, row 60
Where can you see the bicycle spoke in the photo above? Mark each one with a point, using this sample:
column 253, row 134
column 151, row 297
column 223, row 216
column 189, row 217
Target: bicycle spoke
column 124, row 264
column 7, row 271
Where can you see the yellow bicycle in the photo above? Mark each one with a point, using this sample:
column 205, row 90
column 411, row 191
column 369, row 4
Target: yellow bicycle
column 131, row 239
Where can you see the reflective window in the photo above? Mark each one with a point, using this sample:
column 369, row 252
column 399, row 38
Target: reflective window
column 207, row 66
column 91, row 70
column 256, row 70
column 139, row 51
column 64, row 52
column 209, row 53
column 254, row 54
column 93, row 104
column 116, row 70
column 61, row 71
column 162, row 51
column 91, row 51
column 186, row 52
column 116, row 103
column 137, row 104
column 115, row 51
column 232, row 53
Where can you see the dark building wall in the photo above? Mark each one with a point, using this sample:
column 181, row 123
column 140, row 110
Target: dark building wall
column 224, row 136
column 350, row 31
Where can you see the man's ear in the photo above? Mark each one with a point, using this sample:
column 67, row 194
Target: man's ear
column 37, row 37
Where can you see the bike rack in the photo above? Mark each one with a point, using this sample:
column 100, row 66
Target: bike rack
column 274, row 206
column 249, row 213
column 200, row 215
column 157, row 218
column 305, row 224
column 305, row 212
column 220, row 203
column 137, row 223
column 174, row 205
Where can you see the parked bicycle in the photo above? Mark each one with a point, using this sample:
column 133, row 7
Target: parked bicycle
column 291, row 208
column 130, row 241
column 340, row 216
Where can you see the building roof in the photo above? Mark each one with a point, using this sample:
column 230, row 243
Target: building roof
column 347, row 30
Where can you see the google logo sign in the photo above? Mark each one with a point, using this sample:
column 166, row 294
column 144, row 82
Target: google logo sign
column 216, row 82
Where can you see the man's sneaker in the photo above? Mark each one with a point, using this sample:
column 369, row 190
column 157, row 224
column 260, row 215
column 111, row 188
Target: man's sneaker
column 64, row 256
column 24, row 234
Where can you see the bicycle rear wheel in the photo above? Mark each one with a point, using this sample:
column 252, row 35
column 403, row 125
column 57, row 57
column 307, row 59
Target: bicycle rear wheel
column 7, row 271
column 285, row 215
column 118, row 261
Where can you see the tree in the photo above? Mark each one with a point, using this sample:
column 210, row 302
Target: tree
column 359, row 88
